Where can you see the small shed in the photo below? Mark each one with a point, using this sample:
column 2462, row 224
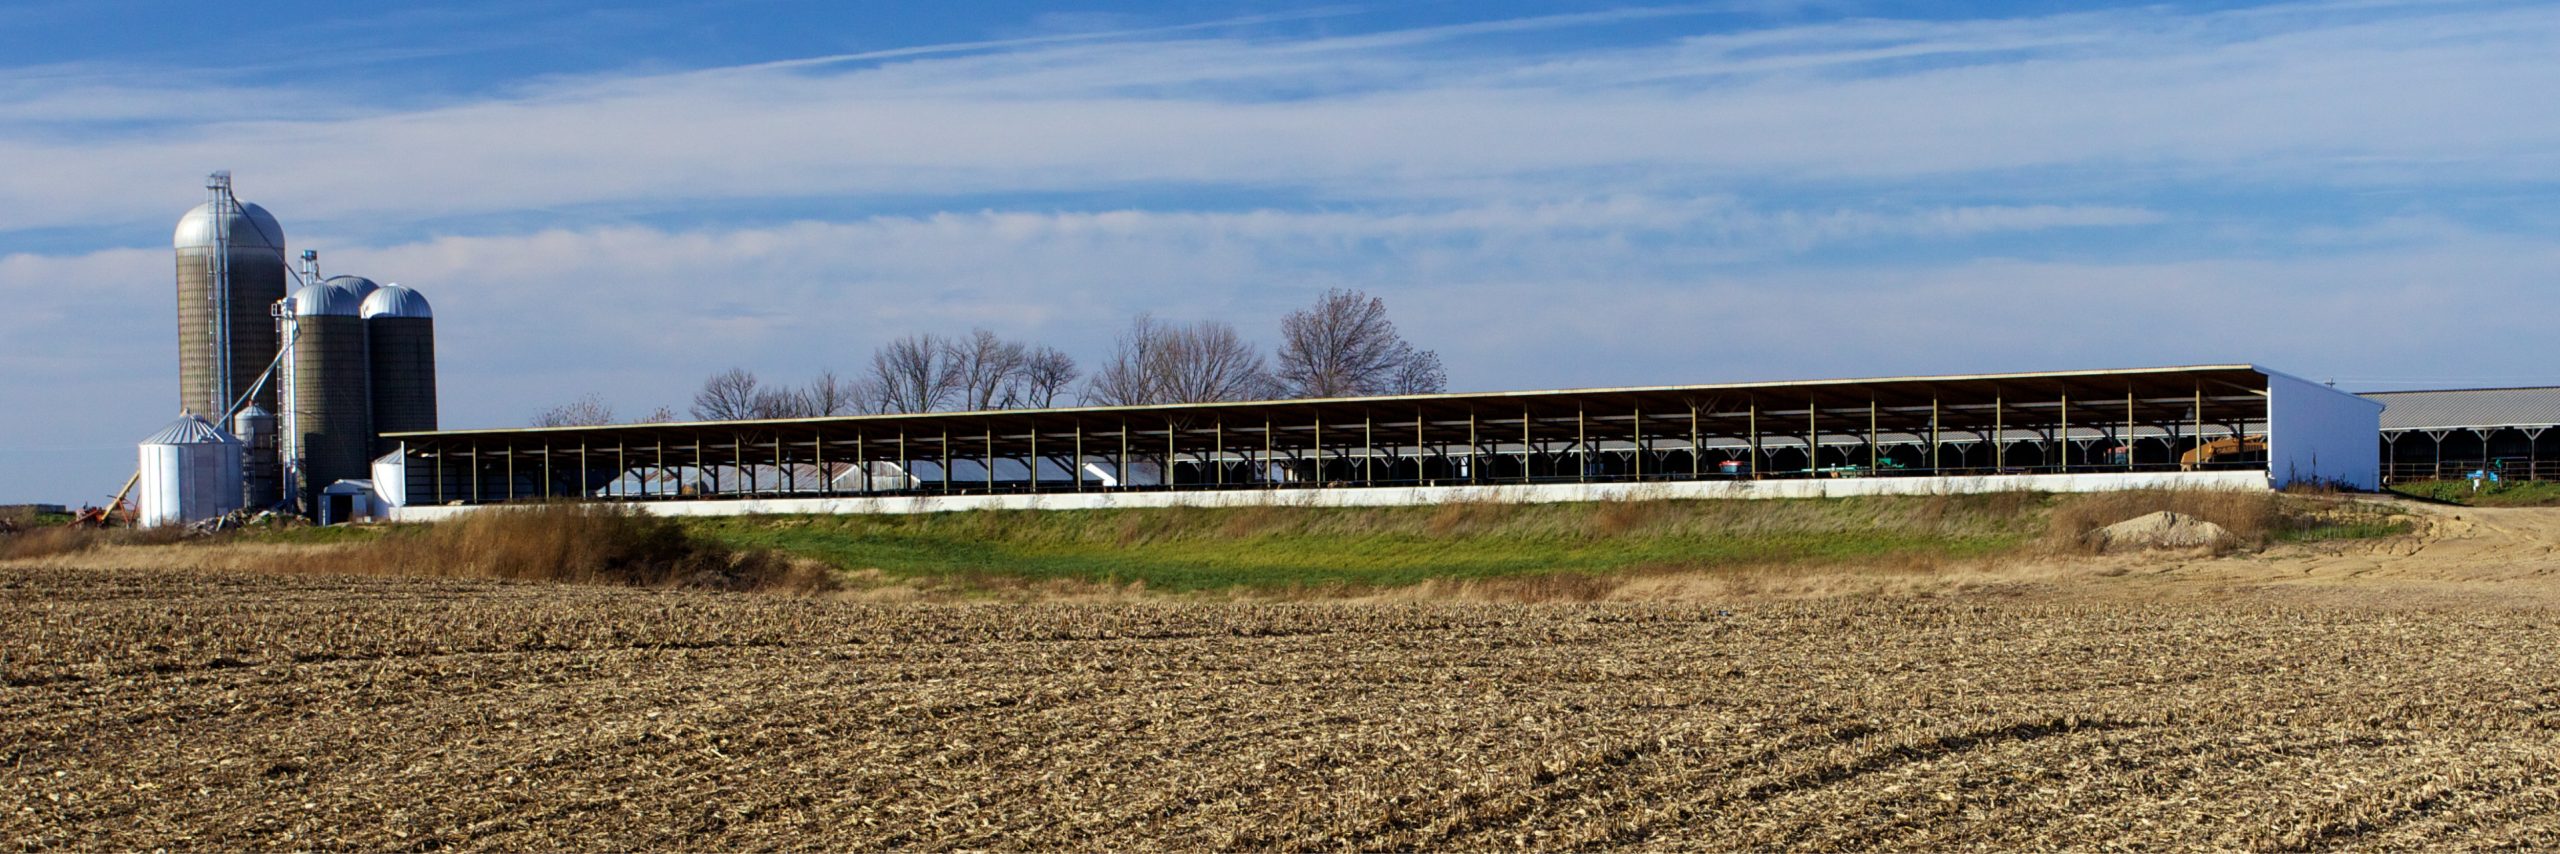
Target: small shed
column 352, row 501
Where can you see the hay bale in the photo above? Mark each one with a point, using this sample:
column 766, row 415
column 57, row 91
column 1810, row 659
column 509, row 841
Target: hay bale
column 2162, row 530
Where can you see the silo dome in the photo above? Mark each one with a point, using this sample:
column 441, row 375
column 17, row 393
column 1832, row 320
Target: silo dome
column 324, row 300
column 360, row 286
column 251, row 227
column 395, row 300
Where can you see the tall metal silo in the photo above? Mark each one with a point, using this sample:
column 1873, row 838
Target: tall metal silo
column 262, row 484
column 401, row 334
column 231, row 268
column 328, row 424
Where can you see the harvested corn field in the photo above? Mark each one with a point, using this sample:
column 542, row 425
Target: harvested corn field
column 205, row 710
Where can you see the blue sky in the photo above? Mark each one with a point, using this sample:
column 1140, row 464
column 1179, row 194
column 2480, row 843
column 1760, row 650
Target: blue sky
column 624, row 199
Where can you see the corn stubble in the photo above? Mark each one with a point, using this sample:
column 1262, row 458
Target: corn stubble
column 203, row 710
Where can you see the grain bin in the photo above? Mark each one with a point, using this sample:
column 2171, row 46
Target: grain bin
column 261, row 485
column 231, row 268
column 401, row 339
column 328, row 423
column 190, row 472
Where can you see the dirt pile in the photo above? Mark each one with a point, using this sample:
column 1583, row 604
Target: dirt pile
column 2162, row 530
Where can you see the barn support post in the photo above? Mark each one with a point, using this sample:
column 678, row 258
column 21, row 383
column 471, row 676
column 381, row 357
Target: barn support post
column 2064, row 435
column 1368, row 449
column 1526, row 442
column 1935, row 437
column 1581, row 443
column 2390, row 455
column 2199, row 449
column 1637, row 466
column 1419, row 445
column 1319, row 477
column 1755, row 439
column 1999, row 434
column 1812, row 437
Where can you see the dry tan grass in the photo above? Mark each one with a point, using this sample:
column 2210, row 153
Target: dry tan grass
column 572, row 543
column 2252, row 517
column 53, row 540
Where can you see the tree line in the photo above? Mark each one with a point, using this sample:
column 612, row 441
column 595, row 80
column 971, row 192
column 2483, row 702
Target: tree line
column 1342, row 346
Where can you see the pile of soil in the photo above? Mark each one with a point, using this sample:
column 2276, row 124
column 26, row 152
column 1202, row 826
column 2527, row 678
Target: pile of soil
column 2162, row 530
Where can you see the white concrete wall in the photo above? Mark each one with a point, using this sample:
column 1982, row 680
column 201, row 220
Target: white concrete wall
column 2320, row 435
column 1417, row 495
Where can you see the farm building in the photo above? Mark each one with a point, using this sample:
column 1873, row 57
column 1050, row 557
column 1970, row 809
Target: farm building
column 2437, row 435
column 2207, row 426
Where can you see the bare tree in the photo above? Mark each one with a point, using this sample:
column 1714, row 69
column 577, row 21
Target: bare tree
column 727, row 396
column 1158, row 362
column 1210, row 361
column 660, row 415
column 832, row 394
column 912, row 374
column 986, row 369
column 1046, row 374
column 587, row 411
column 1420, row 374
column 781, row 403
column 1344, row 346
column 1128, row 377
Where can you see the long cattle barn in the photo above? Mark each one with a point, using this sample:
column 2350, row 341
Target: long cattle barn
column 2213, row 426
column 2439, row 435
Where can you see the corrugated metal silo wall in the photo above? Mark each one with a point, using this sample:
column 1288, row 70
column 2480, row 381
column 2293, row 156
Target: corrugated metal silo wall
column 257, row 282
column 404, row 377
column 332, row 402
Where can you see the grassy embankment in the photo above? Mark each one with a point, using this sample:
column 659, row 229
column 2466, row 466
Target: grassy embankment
column 1188, row 549
column 1258, row 548
column 2523, row 493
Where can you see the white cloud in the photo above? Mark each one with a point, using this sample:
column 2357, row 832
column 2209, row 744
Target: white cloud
column 2415, row 95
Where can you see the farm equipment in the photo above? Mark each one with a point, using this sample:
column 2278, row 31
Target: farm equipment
column 2223, row 450
column 111, row 515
